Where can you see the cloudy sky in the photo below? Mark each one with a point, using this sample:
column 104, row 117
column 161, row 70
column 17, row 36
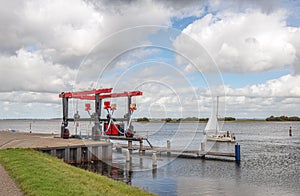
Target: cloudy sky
column 181, row 54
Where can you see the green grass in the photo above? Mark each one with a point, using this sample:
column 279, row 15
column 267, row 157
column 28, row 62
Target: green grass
column 41, row 174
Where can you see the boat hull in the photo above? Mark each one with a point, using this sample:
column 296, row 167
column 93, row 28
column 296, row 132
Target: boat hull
column 220, row 138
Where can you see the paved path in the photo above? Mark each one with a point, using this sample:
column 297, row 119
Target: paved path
column 35, row 140
column 8, row 186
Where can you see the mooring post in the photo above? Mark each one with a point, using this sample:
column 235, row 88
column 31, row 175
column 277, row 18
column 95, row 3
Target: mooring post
column 130, row 146
column 237, row 153
column 141, row 147
column 127, row 156
column 154, row 160
column 168, row 148
column 203, row 146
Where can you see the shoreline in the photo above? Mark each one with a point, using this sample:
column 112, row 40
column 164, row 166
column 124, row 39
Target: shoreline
column 233, row 121
column 38, row 173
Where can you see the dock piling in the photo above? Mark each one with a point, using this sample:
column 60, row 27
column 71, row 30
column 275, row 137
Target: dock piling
column 237, row 153
column 130, row 146
column 127, row 156
column 168, row 148
column 203, row 146
column 141, row 147
column 154, row 160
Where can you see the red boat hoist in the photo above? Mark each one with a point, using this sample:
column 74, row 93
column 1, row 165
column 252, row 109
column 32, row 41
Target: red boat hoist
column 108, row 125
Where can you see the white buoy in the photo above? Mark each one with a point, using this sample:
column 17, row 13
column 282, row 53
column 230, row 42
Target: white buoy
column 127, row 156
column 154, row 160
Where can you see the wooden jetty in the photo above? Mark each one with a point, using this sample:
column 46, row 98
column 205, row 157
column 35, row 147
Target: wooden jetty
column 198, row 153
column 70, row 150
column 202, row 153
column 84, row 150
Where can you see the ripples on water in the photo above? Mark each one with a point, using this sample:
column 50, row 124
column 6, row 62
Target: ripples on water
column 270, row 159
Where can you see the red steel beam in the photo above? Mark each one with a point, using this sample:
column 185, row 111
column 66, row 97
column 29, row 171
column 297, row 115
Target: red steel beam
column 85, row 93
column 84, row 97
column 112, row 95
column 94, row 91
column 125, row 94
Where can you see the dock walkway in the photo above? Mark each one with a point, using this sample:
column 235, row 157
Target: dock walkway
column 198, row 153
column 70, row 150
column 38, row 140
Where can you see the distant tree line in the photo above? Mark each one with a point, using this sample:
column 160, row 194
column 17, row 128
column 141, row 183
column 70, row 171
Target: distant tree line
column 188, row 119
column 227, row 119
column 144, row 119
column 195, row 119
column 171, row 120
column 283, row 118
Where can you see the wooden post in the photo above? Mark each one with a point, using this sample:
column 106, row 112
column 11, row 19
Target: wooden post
column 154, row 160
column 154, row 165
column 168, row 148
column 127, row 156
column 141, row 147
column 130, row 146
column 203, row 146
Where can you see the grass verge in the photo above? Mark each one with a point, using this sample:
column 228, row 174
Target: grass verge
column 41, row 174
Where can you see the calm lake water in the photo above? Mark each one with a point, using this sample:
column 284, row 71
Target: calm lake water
column 270, row 159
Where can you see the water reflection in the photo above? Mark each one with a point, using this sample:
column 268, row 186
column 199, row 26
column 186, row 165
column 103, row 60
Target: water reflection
column 110, row 170
column 154, row 173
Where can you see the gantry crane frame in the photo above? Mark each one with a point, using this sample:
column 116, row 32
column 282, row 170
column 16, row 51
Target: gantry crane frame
column 97, row 95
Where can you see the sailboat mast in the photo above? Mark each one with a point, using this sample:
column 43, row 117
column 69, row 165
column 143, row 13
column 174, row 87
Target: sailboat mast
column 217, row 114
column 217, row 107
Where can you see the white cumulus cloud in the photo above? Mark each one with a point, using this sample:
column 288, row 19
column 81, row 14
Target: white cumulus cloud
column 249, row 41
column 28, row 71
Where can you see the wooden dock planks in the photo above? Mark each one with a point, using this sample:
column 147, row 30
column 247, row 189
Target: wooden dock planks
column 181, row 151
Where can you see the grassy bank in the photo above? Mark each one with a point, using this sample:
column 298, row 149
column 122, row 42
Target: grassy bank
column 40, row 174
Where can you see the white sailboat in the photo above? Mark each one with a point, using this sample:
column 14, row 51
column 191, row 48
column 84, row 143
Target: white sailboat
column 213, row 126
